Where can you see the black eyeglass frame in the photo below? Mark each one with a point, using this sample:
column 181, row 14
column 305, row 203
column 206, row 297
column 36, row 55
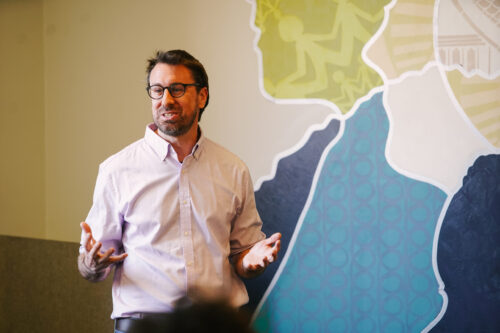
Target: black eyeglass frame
column 184, row 85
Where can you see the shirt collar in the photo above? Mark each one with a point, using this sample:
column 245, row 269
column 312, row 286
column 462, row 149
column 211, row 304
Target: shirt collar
column 199, row 145
column 162, row 147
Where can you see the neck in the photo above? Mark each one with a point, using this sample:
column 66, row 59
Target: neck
column 182, row 144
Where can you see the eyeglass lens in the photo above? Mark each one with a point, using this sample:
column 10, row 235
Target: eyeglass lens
column 176, row 90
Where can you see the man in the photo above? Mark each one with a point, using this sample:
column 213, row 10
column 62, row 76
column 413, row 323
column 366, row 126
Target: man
column 173, row 212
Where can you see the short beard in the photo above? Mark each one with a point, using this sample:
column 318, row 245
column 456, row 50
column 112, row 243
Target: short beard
column 176, row 131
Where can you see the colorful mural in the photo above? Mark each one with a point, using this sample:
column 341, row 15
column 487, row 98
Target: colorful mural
column 372, row 207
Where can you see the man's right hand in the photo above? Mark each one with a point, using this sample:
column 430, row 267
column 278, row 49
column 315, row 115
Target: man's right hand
column 93, row 264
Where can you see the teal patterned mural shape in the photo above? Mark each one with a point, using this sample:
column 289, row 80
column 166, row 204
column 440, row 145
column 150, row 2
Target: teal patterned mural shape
column 362, row 257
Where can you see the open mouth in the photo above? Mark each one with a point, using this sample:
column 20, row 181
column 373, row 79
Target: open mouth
column 170, row 115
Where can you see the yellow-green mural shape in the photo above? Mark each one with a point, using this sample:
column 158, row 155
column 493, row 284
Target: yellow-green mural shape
column 480, row 100
column 312, row 49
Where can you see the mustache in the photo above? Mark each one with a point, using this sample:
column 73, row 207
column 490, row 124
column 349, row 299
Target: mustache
column 168, row 108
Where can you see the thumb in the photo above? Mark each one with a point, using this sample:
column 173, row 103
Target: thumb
column 275, row 237
column 85, row 227
column 272, row 239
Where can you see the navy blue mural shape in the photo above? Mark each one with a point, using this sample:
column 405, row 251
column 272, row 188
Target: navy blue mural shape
column 280, row 201
column 469, row 252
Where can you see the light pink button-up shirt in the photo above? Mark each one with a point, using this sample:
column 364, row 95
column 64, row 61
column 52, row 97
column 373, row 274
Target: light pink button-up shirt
column 178, row 222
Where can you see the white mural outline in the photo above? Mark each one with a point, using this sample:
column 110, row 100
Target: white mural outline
column 336, row 114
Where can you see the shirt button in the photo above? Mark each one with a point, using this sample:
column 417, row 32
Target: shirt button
column 190, row 263
column 184, row 202
column 186, row 233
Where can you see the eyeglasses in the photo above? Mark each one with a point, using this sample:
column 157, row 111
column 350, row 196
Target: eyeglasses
column 176, row 90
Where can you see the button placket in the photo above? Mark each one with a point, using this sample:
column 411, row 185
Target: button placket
column 185, row 219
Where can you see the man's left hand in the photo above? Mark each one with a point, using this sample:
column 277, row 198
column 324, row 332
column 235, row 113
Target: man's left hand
column 255, row 260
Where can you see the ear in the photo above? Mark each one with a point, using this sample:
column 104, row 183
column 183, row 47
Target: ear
column 202, row 97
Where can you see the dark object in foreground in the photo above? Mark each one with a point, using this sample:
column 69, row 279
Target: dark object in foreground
column 190, row 317
column 213, row 316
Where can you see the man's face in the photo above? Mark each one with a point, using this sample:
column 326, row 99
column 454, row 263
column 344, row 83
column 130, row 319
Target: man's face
column 176, row 116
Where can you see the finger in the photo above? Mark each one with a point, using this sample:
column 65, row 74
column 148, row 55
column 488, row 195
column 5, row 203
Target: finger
column 86, row 242
column 277, row 246
column 95, row 249
column 275, row 254
column 89, row 240
column 104, row 257
column 121, row 257
column 265, row 261
column 272, row 255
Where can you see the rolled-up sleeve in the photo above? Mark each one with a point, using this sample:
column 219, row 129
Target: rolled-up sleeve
column 247, row 225
column 105, row 218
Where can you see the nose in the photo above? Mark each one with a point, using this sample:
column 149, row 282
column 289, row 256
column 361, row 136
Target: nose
column 167, row 98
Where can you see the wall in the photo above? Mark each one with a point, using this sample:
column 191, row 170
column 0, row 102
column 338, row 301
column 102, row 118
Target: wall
column 22, row 120
column 96, row 55
column 362, row 124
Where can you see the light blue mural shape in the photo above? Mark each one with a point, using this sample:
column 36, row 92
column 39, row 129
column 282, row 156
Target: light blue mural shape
column 362, row 261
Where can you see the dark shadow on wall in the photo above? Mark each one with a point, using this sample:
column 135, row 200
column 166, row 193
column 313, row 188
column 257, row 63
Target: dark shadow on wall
column 42, row 291
column 469, row 252
column 280, row 201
